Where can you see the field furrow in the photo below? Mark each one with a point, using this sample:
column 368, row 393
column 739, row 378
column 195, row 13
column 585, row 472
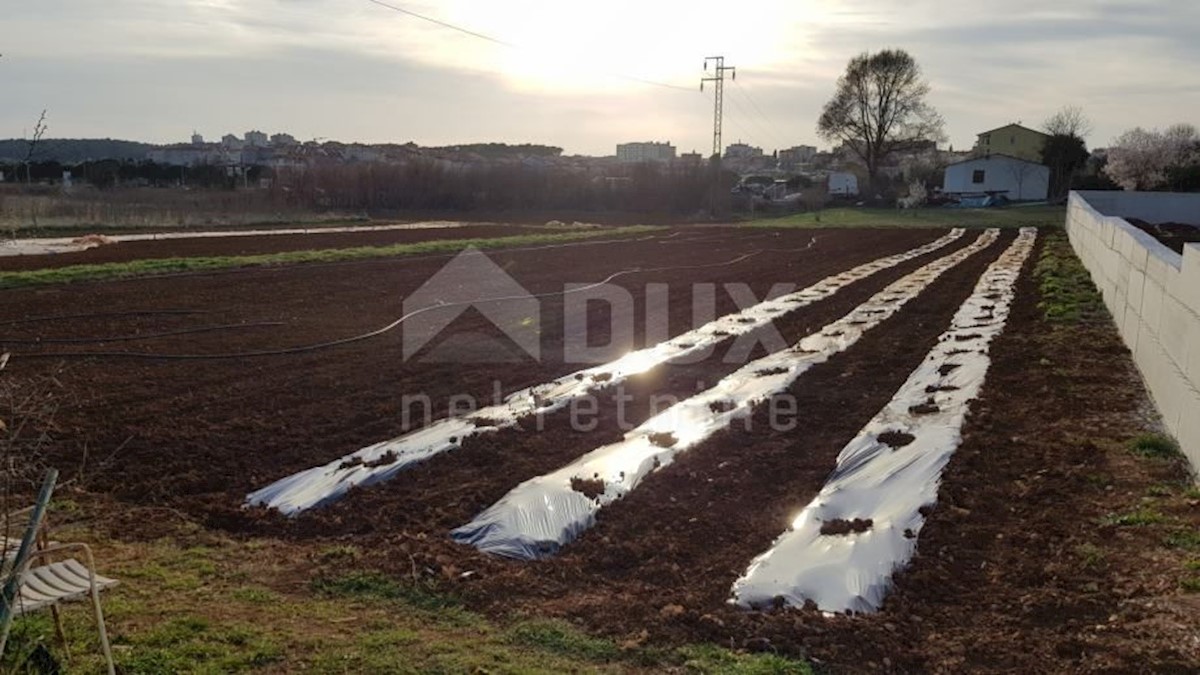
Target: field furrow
column 842, row 548
column 539, row 516
column 381, row 461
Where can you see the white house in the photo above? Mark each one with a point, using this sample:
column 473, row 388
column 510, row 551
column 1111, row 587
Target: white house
column 1014, row 178
column 842, row 183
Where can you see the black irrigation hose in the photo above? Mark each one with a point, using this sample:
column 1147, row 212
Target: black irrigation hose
column 368, row 335
column 128, row 338
column 98, row 315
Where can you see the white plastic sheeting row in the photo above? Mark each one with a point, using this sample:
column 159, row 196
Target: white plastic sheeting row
column 891, row 469
column 539, row 516
column 379, row 462
column 41, row 246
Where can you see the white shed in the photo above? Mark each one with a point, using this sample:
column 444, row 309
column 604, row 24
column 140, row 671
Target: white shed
column 1016, row 179
column 842, row 183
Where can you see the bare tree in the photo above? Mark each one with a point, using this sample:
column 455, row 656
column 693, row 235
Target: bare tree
column 1068, row 121
column 879, row 108
column 1020, row 172
column 31, row 145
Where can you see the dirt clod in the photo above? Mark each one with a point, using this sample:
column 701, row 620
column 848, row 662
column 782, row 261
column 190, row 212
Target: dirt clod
column 663, row 439
column 896, row 439
column 588, row 487
column 841, row 526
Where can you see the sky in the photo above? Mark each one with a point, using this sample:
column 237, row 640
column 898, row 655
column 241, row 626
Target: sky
column 580, row 75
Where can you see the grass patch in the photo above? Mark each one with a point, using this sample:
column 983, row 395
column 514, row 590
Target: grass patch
column 1156, row 446
column 934, row 216
column 381, row 587
column 560, row 637
column 710, row 659
column 1018, row 216
column 1068, row 295
column 1137, row 518
column 1091, row 555
column 1190, row 585
column 235, row 621
column 149, row 267
column 1188, row 540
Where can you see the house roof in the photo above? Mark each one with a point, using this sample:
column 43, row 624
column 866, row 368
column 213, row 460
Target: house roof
column 1006, row 126
column 989, row 156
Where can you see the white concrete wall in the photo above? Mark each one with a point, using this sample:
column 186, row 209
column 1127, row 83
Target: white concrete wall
column 1152, row 292
column 1152, row 207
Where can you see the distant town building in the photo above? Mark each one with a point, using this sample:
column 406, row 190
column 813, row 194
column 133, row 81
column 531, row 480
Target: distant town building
column 741, row 150
column 795, row 156
column 282, row 139
column 691, row 158
column 232, row 142
column 649, row 151
column 256, row 139
column 1013, row 140
column 197, row 139
column 184, row 154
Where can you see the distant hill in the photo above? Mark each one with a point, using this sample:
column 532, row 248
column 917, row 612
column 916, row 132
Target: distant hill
column 73, row 150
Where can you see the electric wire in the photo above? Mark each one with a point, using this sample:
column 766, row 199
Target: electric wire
column 774, row 131
column 511, row 45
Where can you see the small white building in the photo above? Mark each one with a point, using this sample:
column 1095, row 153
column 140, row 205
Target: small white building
column 1016, row 179
column 649, row 151
column 843, row 183
column 742, row 150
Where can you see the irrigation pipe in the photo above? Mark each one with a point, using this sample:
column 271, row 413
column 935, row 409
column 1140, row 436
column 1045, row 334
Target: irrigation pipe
column 374, row 333
column 144, row 336
column 98, row 315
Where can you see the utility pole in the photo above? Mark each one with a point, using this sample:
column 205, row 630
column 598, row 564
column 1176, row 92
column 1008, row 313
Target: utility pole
column 717, row 77
column 719, row 96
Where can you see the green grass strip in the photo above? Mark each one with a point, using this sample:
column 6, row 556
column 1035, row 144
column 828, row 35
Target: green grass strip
column 1012, row 216
column 1068, row 295
column 150, row 267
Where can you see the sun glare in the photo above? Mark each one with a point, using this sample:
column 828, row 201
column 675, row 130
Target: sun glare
column 568, row 47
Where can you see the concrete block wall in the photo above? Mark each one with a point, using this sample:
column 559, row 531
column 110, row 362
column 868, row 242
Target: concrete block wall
column 1152, row 292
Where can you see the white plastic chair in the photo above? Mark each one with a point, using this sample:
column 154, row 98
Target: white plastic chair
column 28, row 588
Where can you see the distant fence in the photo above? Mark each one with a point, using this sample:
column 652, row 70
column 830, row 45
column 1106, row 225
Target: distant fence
column 1152, row 292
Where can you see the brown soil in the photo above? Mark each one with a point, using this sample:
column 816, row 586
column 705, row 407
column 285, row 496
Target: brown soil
column 588, row 487
column 1001, row 581
column 929, row 407
column 663, row 439
column 1172, row 235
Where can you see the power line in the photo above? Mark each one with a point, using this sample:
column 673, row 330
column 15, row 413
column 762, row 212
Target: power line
column 761, row 129
column 443, row 24
column 511, row 45
column 746, row 94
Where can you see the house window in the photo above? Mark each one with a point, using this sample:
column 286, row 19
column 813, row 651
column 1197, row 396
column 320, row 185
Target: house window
column 1012, row 140
column 977, row 177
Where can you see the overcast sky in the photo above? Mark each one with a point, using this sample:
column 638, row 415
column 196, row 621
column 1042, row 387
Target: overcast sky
column 350, row 70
